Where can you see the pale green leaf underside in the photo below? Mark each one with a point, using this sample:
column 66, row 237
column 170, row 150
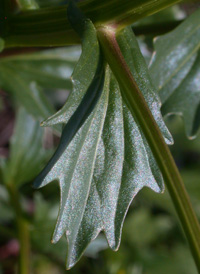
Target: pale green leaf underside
column 136, row 62
column 175, row 72
column 100, row 172
column 103, row 163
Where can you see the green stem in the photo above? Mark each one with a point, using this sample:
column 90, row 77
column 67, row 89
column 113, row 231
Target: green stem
column 50, row 27
column 23, row 231
column 139, row 108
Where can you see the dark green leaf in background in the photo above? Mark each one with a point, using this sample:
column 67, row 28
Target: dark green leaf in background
column 48, row 3
column 1, row 44
column 108, row 161
column 49, row 68
column 6, row 209
column 28, row 4
column 175, row 72
column 168, row 16
column 28, row 94
column 31, row 72
column 185, row 99
column 25, row 151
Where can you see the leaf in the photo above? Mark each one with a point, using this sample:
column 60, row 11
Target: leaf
column 136, row 62
column 6, row 209
column 1, row 44
column 28, row 94
column 47, row 69
column 167, row 15
column 103, row 159
column 44, row 219
column 25, row 151
column 185, row 99
column 49, row 3
column 28, row 4
column 174, row 70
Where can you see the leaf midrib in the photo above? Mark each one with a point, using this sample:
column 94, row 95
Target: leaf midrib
column 95, row 154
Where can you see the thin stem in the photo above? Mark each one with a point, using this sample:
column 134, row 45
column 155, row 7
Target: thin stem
column 139, row 108
column 23, row 231
column 50, row 26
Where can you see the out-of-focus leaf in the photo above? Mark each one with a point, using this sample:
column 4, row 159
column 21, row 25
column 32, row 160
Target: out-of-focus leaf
column 49, row 3
column 177, row 261
column 5, row 207
column 185, row 99
column 1, row 44
column 101, row 164
column 25, row 150
column 166, row 15
column 28, row 4
column 44, row 219
column 48, row 69
column 136, row 232
column 175, row 72
column 28, row 94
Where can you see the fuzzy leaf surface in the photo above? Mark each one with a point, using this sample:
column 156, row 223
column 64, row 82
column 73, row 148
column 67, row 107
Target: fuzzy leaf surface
column 103, row 159
column 175, row 72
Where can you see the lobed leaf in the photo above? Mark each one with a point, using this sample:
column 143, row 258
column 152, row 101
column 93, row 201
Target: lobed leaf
column 174, row 67
column 185, row 100
column 130, row 49
column 103, row 159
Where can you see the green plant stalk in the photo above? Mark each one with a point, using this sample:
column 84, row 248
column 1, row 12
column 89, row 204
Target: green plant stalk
column 50, row 26
column 139, row 108
column 22, row 231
